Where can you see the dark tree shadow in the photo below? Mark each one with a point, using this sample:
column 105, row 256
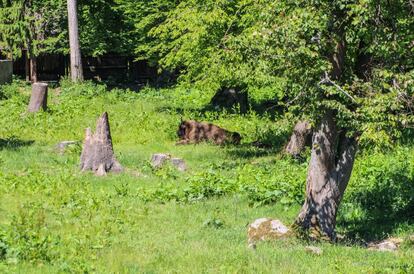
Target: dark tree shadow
column 384, row 207
column 247, row 151
column 268, row 144
column 13, row 143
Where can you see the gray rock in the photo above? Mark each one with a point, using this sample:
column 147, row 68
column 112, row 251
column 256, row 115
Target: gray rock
column 179, row 164
column 64, row 144
column 159, row 159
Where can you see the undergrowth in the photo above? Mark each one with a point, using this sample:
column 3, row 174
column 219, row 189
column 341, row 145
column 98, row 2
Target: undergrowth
column 53, row 216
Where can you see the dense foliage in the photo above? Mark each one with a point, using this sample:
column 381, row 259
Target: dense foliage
column 38, row 26
column 282, row 50
column 41, row 27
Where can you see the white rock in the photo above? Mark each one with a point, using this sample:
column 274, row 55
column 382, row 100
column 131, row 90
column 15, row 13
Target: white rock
column 391, row 244
column 265, row 229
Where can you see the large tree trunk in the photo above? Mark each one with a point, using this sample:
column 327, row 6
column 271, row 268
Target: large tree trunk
column 38, row 98
column 332, row 158
column 330, row 168
column 301, row 136
column 76, row 70
column 97, row 152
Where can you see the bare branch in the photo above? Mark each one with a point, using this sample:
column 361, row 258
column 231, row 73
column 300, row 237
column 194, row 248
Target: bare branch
column 327, row 80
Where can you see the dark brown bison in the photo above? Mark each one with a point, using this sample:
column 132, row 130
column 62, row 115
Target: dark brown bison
column 193, row 132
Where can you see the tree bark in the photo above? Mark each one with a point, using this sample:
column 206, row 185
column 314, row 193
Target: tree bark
column 332, row 158
column 302, row 133
column 38, row 98
column 76, row 70
column 97, row 152
column 330, row 168
column 27, row 67
column 33, row 69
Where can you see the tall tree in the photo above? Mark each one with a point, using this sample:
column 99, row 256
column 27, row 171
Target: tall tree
column 76, row 70
column 33, row 27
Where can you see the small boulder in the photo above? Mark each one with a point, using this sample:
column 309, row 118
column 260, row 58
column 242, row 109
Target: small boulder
column 61, row 147
column 179, row 164
column 265, row 229
column 158, row 159
column 391, row 244
column 314, row 250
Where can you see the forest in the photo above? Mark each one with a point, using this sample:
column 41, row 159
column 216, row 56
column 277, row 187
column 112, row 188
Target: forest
column 265, row 136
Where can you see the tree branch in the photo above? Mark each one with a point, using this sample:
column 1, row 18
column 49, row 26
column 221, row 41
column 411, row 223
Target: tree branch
column 327, row 80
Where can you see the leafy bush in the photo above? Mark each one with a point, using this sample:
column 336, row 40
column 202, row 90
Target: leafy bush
column 28, row 237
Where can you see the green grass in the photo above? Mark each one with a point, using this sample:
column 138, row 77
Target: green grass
column 55, row 219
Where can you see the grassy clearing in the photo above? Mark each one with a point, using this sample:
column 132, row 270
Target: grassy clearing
column 55, row 219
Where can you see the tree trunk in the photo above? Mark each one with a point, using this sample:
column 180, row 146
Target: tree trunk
column 27, row 67
column 301, row 136
column 38, row 98
column 76, row 70
column 33, row 69
column 330, row 168
column 97, row 152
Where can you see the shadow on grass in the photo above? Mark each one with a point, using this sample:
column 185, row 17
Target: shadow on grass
column 249, row 151
column 269, row 143
column 268, row 108
column 13, row 143
column 383, row 208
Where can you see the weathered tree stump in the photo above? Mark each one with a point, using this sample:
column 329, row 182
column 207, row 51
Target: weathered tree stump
column 97, row 152
column 39, row 97
column 301, row 136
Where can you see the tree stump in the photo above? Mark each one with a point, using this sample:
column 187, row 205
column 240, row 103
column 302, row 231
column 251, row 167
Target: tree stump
column 97, row 152
column 38, row 98
column 301, row 136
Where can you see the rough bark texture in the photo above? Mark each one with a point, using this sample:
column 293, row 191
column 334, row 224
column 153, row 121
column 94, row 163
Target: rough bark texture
column 301, row 136
column 330, row 168
column 76, row 70
column 38, row 99
column 27, row 67
column 33, row 69
column 97, row 152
